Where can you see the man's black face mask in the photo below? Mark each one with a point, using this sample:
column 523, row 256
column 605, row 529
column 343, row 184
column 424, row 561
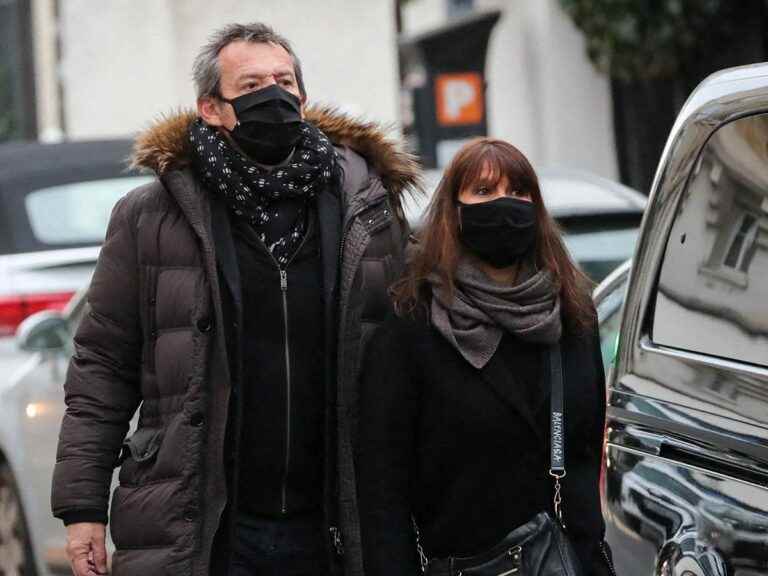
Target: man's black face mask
column 268, row 123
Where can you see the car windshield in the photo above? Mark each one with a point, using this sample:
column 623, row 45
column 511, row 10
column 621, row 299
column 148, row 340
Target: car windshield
column 598, row 252
column 76, row 213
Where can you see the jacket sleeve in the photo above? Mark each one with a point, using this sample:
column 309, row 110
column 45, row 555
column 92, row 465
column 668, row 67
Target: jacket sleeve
column 385, row 456
column 102, row 383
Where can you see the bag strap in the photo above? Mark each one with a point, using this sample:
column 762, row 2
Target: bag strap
column 423, row 559
column 557, row 427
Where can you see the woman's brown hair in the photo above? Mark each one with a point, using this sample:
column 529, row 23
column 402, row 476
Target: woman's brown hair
column 486, row 161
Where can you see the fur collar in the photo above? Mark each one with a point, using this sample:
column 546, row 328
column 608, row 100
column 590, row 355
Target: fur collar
column 164, row 146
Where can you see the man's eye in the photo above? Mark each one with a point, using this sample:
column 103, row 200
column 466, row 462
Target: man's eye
column 286, row 82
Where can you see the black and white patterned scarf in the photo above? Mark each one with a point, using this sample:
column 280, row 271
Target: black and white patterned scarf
column 276, row 201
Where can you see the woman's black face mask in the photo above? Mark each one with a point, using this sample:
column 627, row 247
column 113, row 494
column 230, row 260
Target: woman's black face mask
column 499, row 231
column 268, row 123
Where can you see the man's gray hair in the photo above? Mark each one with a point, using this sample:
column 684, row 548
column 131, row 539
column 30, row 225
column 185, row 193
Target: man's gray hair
column 206, row 72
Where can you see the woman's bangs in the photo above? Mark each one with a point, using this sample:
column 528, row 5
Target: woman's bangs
column 485, row 169
column 518, row 173
column 490, row 164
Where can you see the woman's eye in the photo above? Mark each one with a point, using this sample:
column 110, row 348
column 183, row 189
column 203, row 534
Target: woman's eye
column 482, row 191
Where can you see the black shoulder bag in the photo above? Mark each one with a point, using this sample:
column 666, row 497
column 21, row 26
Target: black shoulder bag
column 539, row 547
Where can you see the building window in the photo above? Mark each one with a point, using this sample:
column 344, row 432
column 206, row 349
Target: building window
column 740, row 248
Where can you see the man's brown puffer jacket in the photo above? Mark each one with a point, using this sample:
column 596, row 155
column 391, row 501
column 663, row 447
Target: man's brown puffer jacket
column 152, row 340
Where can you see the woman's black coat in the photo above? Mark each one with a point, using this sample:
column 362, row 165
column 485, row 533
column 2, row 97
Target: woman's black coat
column 466, row 451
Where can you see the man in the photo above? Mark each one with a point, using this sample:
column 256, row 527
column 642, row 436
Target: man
column 231, row 302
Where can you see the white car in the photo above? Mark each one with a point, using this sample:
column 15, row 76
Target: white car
column 32, row 541
column 608, row 297
column 55, row 202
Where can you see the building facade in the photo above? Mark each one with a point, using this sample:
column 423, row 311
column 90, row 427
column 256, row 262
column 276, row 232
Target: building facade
column 541, row 91
column 107, row 69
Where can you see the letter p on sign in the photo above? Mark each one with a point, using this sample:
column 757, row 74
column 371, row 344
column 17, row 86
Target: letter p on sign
column 459, row 99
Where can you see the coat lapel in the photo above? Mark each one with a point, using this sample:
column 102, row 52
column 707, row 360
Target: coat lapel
column 329, row 218
column 504, row 384
column 225, row 251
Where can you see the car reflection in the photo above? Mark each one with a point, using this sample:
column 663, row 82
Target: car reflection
column 720, row 234
column 688, row 513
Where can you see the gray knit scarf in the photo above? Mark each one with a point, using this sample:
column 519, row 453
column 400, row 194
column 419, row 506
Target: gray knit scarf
column 481, row 310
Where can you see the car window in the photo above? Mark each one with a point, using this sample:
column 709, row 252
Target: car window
column 713, row 285
column 5, row 233
column 76, row 213
column 598, row 252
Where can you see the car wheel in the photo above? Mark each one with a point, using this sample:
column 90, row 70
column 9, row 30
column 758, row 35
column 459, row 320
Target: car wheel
column 15, row 549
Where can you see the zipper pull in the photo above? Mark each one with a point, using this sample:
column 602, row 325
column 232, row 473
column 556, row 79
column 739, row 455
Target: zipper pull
column 336, row 540
column 283, row 280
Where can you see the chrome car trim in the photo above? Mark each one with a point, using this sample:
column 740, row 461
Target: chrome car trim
column 647, row 345
column 677, row 463
column 660, row 436
column 616, row 277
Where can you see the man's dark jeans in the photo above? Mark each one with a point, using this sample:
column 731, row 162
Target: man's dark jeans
column 284, row 547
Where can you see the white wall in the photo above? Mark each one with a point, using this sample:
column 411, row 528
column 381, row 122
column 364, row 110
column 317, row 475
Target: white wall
column 423, row 15
column 126, row 61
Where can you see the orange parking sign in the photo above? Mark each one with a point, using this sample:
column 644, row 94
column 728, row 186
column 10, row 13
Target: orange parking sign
column 459, row 98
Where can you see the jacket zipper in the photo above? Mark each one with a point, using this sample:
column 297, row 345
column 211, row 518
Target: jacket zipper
column 349, row 220
column 607, row 558
column 283, row 271
column 284, row 290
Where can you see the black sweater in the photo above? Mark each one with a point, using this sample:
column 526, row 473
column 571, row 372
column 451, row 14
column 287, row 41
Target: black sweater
column 283, row 393
column 466, row 452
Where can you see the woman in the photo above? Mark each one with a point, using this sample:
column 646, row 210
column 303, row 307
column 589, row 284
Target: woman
column 453, row 436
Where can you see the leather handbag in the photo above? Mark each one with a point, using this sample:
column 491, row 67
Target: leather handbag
column 540, row 547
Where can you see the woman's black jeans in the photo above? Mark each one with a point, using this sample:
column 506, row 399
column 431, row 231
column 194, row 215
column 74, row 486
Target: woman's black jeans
column 284, row 547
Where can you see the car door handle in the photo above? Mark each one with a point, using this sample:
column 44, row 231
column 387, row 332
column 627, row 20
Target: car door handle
column 747, row 468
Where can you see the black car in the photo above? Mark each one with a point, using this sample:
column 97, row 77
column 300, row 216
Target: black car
column 686, row 467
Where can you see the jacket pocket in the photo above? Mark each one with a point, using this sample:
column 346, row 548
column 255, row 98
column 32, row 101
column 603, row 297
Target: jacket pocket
column 138, row 452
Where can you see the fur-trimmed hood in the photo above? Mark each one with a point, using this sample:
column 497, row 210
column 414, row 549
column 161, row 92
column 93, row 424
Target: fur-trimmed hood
column 164, row 146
